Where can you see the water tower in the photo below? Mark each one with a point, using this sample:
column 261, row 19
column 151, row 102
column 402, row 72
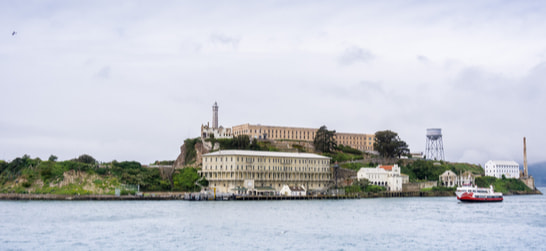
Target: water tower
column 435, row 147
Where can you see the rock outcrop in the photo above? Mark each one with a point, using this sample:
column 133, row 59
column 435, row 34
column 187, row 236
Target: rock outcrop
column 195, row 161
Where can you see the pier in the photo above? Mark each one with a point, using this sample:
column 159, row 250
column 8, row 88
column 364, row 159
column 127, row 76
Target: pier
column 206, row 197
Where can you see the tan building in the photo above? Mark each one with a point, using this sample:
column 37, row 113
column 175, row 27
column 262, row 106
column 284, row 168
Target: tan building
column 362, row 142
column 258, row 172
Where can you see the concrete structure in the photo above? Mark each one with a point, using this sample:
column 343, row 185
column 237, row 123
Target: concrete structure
column 218, row 133
column 387, row 176
column 405, row 178
column 525, row 177
column 466, row 178
column 448, row 179
column 451, row 179
column 417, row 186
column 256, row 172
column 293, row 191
column 362, row 142
column 497, row 168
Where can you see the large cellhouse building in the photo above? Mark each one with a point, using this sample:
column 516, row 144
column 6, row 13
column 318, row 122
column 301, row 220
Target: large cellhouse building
column 497, row 168
column 362, row 142
column 258, row 172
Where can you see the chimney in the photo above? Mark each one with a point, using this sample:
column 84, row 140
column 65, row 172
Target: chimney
column 525, row 173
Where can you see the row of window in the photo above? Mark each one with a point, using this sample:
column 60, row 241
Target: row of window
column 270, row 185
column 299, row 135
column 267, row 168
column 269, row 160
column 268, row 176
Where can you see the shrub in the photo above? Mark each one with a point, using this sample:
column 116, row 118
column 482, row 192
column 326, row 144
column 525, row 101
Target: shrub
column 375, row 189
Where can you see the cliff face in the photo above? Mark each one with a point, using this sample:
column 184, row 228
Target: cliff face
column 192, row 156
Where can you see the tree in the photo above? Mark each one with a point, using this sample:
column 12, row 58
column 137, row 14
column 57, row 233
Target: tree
column 324, row 140
column 53, row 158
column 389, row 145
column 87, row 159
column 185, row 180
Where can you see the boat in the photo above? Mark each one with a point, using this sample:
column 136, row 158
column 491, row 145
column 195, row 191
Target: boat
column 468, row 193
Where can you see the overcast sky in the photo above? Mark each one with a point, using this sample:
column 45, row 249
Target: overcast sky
column 130, row 80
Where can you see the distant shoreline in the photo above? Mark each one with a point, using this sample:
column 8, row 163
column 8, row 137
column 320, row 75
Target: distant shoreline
column 192, row 196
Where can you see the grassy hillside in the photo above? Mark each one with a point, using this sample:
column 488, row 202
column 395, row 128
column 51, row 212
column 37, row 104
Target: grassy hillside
column 85, row 176
column 431, row 170
column 506, row 186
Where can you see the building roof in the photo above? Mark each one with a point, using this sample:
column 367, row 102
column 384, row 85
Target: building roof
column 265, row 154
column 504, row 162
column 387, row 168
column 448, row 173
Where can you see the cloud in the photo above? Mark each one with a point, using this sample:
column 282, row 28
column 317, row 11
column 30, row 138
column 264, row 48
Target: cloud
column 423, row 59
column 104, row 72
column 222, row 39
column 354, row 55
column 475, row 70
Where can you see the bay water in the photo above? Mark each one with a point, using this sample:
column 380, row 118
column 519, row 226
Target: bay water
column 517, row 223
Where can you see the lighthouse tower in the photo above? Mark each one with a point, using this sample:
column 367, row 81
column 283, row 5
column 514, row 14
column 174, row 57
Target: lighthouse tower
column 215, row 116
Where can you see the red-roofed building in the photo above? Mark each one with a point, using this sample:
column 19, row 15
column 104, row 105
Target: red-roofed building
column 387, row 168
column 388, row 176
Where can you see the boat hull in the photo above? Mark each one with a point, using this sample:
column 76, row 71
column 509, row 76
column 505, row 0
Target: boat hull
column 480, row 199
column 471, row 197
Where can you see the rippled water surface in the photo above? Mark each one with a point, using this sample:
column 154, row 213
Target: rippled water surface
column 518, row 223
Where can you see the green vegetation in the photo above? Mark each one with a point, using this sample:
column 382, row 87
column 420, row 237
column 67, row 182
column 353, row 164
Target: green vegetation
column 164, row 162
column 503, row 185
column 348, row 149
column 419, row 170
column 363, row 186
column 343, row 157
column 243, row 142
column 389, row 144
column 87, row 159
column 300, row 148
column 345, row 153
column 439, row 189
column 324, row 140
column 357, row 165
column 185, row 180
column 85, row 176
column 190, row 153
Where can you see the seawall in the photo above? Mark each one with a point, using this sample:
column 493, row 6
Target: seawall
column 204, row 197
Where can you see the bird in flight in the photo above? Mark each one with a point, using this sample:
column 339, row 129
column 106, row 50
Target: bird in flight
column 13, row 33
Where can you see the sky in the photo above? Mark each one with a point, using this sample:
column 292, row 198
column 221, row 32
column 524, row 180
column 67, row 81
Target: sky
column 130, row 80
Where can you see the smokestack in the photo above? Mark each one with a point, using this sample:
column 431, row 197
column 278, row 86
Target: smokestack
column 525, row 173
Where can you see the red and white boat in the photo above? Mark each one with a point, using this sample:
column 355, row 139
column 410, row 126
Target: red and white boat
column 477, row 194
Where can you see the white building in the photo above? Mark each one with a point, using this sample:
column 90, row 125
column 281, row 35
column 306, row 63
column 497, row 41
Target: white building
column 260, row 172
column 218, row 132
column 293, row 190
column 387, row 176
column 497, row 168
